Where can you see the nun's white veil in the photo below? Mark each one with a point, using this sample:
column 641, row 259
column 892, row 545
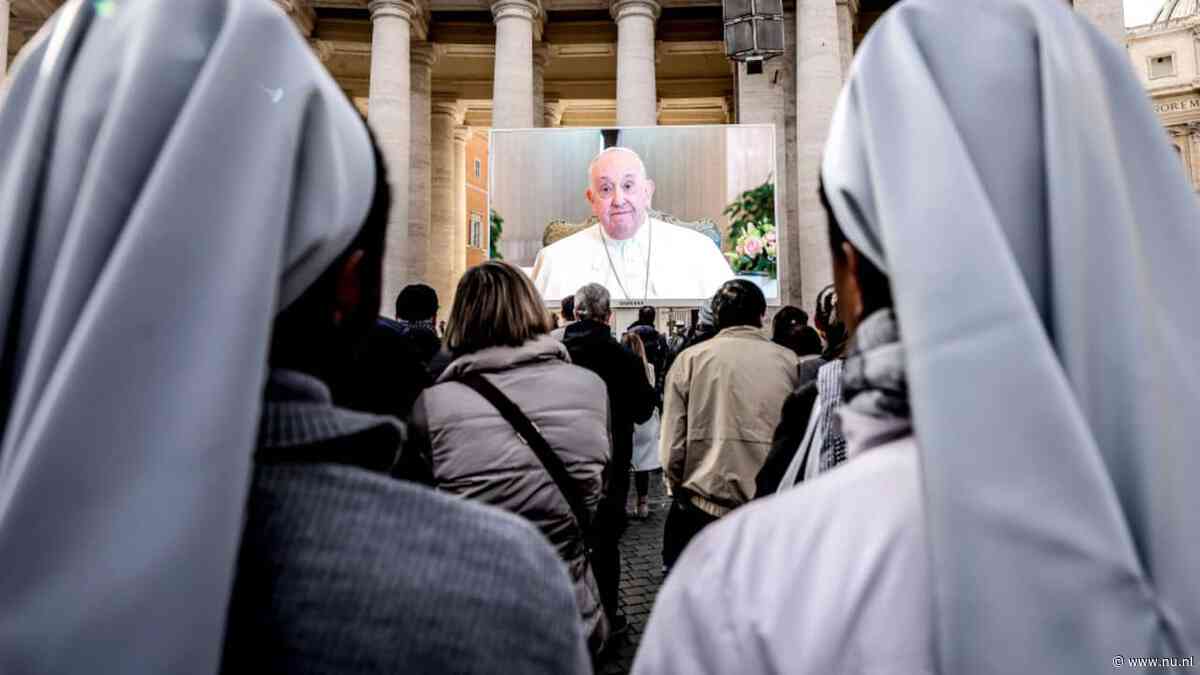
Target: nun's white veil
column 998, row 159
column 172, row 173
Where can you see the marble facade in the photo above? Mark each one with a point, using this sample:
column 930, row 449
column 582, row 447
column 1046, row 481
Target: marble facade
column 1166, row 57
column 430, row 73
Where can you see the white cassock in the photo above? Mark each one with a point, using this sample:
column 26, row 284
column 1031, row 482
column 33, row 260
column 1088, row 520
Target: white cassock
column 683, row 264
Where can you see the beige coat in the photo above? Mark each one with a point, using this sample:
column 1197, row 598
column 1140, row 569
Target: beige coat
column 721, row 405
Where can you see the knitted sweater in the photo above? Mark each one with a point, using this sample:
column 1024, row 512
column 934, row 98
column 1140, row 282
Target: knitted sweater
column 345, row 570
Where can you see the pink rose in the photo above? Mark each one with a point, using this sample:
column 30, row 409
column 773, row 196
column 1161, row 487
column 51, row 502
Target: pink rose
column 770, row 237
column 741, row 249
column 753, row 246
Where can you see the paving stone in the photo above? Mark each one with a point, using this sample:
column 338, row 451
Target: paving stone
column 641, row 574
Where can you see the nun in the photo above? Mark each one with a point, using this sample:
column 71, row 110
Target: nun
column 175, row 175
column 1020, row 492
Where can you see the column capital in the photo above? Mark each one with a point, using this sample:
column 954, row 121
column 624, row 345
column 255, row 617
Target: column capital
column 541, row 55
column 400, row 9
column 324, row 49
column 553, row 112
column 519, row 9
column 424, row 53
column 450, row 107
column 462, row 134
column 415, row 12
column 301, row 13
column 623, row 9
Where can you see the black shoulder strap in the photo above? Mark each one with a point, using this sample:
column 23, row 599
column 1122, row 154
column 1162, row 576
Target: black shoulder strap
column 531, row 436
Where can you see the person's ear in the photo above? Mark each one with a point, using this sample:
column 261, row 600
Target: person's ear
column 349, row 289
column 853, row 304
column 590, row 195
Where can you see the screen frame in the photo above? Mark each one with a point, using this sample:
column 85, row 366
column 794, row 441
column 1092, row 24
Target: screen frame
column 782, row 233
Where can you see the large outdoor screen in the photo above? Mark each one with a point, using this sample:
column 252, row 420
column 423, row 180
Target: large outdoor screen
column 655, row 214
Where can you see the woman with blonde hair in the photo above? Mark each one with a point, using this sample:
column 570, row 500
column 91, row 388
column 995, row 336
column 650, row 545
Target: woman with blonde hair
column 645, row 436
column 511, row 422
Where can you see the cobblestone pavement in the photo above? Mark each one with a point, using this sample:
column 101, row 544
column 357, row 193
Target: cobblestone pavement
column 641, row 574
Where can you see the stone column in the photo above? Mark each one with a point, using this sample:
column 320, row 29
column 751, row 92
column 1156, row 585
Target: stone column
column 637, row 94
column 512, row 88
column 442, row 188
column 1190, row 155
column 389, row 115
column 301, row 13
column 789, row 244
column 847, row 17
column 1108, row 15
column 541, row 55
column 421, row 73
column 4, row 11
column 554, row 113
column 818, row 82
column 323, row 49
column 762, row 99
column 458, row 251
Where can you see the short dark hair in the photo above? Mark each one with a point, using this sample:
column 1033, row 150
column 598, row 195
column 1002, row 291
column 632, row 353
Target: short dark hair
column 417, row 302
column 808, row 342
column 568, row 307
column 738, row 303
column 828, row 322
column 785, row 318
column 647, row 315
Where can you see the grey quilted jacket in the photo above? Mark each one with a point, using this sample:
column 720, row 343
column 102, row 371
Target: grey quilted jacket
column 474, row 452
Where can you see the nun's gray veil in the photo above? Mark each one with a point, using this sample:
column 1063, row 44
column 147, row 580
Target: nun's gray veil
column 172, row 174
column 998, row 159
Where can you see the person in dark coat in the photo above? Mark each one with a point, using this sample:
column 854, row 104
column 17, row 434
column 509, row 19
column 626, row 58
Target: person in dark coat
column 704, row 328
column 345, row 569
column 655, row 344
column 387, row 374
column 631, row 401
column 416, row 312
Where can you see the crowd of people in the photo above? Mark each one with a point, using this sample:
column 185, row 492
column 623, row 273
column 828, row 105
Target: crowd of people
column 216, row 456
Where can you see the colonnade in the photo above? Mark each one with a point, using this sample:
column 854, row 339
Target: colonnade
column 424, row 141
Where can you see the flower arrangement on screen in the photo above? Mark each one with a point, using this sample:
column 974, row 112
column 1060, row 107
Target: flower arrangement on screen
column 496, row 230
column 752, row 232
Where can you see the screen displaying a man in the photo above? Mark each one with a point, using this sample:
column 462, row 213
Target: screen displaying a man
column 631, row 254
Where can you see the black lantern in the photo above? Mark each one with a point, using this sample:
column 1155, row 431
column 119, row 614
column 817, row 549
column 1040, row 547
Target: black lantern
column 753, row 31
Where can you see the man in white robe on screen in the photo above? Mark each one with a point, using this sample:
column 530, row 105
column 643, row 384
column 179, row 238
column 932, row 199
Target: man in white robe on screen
column 631, row 254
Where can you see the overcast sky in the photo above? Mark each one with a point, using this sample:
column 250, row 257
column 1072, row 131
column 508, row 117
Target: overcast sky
column 1138, row 12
